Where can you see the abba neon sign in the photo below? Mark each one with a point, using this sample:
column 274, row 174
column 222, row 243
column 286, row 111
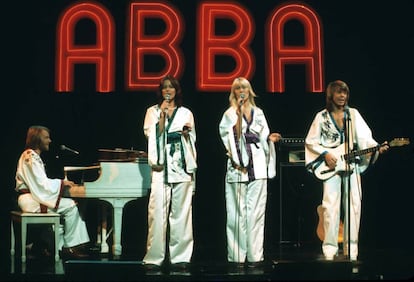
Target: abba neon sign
column 166, row 45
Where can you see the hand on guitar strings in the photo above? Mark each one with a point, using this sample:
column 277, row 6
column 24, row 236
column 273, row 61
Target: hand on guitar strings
column 330, row 160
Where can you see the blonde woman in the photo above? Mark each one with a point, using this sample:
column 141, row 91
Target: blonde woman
column 250, row 149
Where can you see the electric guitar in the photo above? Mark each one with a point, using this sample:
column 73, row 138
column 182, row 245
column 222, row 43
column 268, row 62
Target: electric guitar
column 321, row 232
column 323, row 172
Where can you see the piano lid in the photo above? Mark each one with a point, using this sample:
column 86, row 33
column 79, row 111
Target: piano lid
column 80, row 168
column 120, row 155
column 117, row 180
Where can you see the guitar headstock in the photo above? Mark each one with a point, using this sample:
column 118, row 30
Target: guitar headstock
column 399, row 142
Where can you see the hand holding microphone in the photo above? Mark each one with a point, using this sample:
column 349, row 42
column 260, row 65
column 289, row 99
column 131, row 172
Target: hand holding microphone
column 164, row 107
column 241, row 101
column 240, row 104
column 167, row 99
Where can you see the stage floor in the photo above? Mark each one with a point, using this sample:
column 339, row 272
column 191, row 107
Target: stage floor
column 287, row 262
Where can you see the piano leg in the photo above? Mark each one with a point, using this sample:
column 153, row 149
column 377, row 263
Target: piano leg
column 118, row 205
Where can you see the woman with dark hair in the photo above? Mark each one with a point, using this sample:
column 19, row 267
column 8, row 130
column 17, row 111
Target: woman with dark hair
column 39, row 194
column 170, row 131
column 336, row 127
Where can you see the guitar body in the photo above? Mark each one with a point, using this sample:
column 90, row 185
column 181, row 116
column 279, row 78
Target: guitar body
column 320, row 231
column 323, row 172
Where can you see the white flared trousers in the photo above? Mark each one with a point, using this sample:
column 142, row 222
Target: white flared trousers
column 170, row 204
column 246, row 207
column 332, row 203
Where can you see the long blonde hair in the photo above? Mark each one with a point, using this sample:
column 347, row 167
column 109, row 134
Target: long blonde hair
column 237, row 82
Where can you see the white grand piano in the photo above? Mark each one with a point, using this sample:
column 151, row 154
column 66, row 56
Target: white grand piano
column 121, row 179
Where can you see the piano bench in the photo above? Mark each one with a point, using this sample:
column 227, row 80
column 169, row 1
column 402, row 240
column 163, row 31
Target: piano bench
column 25, row 218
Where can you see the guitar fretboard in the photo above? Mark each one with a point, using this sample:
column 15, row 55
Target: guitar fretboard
column 352, row 155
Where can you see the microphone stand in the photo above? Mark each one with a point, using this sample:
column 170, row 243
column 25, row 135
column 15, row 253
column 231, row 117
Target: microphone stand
column 238, row 188
column 239, row 137
column 239, row 123
column 165, row 166
column 164, row 138
column 347, row 120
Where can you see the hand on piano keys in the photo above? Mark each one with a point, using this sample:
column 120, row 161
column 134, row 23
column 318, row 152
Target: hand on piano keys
column 75, row 191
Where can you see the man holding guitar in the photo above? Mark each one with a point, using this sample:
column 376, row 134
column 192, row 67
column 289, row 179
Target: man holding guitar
column 335, row 126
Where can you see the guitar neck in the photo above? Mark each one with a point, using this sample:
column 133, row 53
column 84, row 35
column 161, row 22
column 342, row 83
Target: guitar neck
column 353, row 155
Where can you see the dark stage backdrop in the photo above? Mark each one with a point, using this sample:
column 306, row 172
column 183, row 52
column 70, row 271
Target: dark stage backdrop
column 368, row 44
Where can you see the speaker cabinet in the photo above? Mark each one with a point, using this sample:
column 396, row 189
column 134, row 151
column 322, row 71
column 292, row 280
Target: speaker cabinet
column 299, row 195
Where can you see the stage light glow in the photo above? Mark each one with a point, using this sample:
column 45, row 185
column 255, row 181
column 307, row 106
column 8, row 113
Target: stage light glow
column 102, row 53
column 278, row 54
column 141, row 44
column 235, row 45
column 211, row 74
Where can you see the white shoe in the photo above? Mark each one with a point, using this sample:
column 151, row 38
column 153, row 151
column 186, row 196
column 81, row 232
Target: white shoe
column 353, row 257
column 330, row 257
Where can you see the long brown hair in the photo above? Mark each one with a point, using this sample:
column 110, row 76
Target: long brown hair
column 178, row 92
column 33, row 140
column 335, row 87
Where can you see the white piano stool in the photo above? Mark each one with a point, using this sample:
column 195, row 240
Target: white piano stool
column 32, row 218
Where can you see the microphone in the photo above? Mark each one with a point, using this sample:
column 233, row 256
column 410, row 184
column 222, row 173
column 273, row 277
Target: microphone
column 241, row 99
column 167, row 97
column 64, row 148
column 346, row 110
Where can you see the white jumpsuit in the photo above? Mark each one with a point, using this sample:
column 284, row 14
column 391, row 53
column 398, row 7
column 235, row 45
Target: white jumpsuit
column 324, row 134
column 170, row 201
column 246, row 189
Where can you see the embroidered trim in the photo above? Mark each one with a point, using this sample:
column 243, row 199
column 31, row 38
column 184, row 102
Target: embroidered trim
column 60, row 194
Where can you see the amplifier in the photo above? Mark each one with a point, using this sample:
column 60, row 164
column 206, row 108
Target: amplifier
column 293, row 141
column 292, row 150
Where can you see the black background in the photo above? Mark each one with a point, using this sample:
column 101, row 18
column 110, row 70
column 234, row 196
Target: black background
column 368, row 44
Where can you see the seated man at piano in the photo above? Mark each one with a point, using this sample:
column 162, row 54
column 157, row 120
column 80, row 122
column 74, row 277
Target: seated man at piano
column 169, row 128
column 37, row 193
